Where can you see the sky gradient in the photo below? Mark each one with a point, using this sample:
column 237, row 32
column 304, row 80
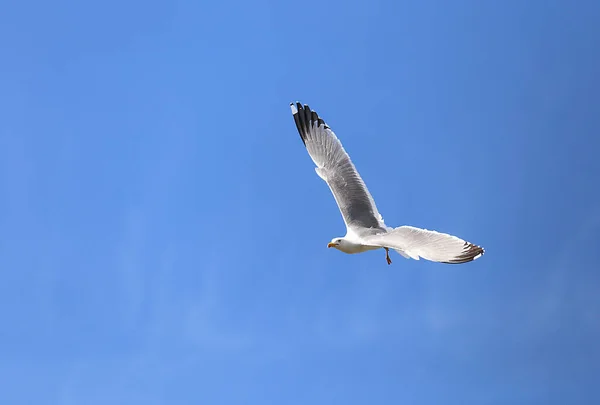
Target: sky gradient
column 163, row 232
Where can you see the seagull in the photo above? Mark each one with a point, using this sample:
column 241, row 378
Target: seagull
column 365, row 229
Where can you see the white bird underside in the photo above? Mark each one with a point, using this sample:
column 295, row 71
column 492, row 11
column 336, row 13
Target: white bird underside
column 365, row 229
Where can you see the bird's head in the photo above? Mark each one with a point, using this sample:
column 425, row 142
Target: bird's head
column 335, row 243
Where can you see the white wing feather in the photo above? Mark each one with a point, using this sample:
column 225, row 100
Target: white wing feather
column 430, row 245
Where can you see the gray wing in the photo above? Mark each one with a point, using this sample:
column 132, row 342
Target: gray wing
column 430, row 245
column 335, row 167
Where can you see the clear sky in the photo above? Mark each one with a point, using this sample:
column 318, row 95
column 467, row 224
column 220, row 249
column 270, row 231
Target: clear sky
column 163, row 232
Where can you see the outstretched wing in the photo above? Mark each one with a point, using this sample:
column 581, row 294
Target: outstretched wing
column 335, row 167
column 431, row 245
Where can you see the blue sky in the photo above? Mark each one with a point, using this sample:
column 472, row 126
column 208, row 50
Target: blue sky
column 163, row 233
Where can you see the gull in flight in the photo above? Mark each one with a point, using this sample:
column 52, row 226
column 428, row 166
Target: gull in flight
column 365, row 229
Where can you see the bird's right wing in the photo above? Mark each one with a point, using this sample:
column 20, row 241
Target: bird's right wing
column 335, row 167
column 431, row 245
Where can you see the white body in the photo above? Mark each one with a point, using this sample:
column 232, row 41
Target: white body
column 349, row 246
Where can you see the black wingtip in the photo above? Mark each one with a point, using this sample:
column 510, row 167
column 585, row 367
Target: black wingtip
column 470, row 253
column 301, row 124
column 304, row 118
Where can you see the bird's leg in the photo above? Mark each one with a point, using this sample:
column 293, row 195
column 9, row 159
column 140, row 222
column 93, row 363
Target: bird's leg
column 387, row 256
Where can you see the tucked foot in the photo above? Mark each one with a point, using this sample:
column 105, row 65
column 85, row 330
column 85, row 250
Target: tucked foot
column 387, row 256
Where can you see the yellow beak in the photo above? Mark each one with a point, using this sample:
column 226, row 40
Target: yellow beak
column 330, row 245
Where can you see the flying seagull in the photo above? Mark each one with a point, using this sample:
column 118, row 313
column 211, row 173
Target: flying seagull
column 365, row 229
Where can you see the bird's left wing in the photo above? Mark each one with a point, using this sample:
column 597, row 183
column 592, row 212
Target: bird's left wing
column 335, row 167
